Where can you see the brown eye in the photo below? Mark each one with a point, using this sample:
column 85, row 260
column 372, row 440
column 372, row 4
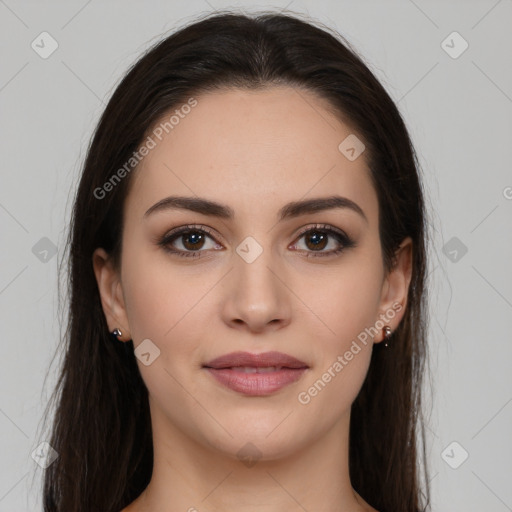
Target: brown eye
column 192, row 240
column 318, row 238
column 188, row 241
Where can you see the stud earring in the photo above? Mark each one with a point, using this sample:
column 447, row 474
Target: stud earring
column 116, row 333
column 387, row 334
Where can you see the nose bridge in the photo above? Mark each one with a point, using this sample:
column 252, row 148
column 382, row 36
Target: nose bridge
column 257, row 296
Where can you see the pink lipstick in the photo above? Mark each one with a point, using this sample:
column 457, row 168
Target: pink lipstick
column 256, row 374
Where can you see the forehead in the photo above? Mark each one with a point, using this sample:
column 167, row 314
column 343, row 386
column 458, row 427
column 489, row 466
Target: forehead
column 239, row 147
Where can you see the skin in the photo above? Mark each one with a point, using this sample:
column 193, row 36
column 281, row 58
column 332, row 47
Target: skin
column 252, row 151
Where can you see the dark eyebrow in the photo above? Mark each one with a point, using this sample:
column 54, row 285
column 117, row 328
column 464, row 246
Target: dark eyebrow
column 290, row 210
column 296, row 208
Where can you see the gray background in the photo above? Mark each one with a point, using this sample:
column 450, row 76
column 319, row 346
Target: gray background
column 459, row 114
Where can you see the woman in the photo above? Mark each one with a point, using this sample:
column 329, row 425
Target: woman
column 247, row 321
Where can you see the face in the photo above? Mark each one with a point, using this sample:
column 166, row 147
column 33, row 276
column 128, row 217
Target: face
column 261, row 277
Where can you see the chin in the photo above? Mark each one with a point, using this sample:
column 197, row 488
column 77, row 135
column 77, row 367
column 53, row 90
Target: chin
column 262, row 442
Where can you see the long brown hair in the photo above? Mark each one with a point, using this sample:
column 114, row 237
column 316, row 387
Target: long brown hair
column 101, row 426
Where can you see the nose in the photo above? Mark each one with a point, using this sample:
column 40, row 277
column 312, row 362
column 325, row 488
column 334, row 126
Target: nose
column 257, row 297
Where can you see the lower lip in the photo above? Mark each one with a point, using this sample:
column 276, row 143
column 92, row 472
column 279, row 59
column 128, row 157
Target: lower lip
column 257, row 384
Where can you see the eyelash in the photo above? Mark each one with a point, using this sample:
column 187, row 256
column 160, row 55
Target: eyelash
column 326, row 229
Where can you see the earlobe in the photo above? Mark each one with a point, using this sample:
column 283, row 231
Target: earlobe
column 110, row 290
column 395, row 288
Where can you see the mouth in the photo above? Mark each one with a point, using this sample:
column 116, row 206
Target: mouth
column 254, row 369
column 256, row 374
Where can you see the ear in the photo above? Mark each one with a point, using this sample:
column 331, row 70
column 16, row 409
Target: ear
column 396, row 287
column 111, row 293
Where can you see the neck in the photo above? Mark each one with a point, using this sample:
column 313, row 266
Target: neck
column 191, row 476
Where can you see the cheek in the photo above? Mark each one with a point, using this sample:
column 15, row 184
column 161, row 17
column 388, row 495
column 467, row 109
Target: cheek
column 173, row 310
column 348, row 309
column 329, row 394
column 158, row 294
column 343, row 353
column 166, row 307
column 348, row 301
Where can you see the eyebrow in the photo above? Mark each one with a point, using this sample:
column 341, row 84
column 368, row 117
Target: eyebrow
column 288, row 211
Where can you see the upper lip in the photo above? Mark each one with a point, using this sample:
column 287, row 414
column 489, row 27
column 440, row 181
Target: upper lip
column 265, row 359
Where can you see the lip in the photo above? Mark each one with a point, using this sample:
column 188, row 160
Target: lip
column 228, row 370
column 265, row 359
